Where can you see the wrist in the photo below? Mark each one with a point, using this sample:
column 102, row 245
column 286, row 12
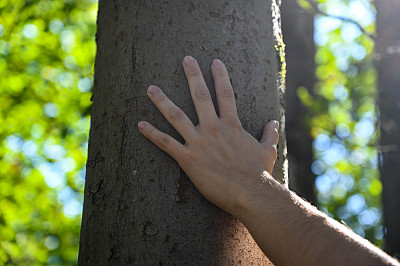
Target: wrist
column 259, row 198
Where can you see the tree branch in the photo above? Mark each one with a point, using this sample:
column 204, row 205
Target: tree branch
column 317, row 10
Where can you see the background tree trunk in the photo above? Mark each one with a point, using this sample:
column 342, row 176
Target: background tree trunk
column 139, row 207
column 388, row 66
column 298, row 32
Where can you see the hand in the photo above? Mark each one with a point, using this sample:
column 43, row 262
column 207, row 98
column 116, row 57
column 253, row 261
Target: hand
column 219, row 156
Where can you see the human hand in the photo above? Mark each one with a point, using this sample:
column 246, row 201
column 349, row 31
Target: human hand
column 219, row 156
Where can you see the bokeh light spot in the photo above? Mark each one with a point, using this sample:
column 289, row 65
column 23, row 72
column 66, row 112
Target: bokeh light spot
column 356, row 203
column 56, row 26
column 52, row 242
column 31, row 31
column 85, row 85
column 51, row 109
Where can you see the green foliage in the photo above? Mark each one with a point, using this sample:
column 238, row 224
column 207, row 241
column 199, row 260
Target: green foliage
column 47, row 51
column 343, row 121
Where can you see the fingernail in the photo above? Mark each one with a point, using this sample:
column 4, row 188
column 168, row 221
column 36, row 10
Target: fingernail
column 217, row 63
column 153, row 89
column 188, row 60
column 276, row 124
column 141, row 125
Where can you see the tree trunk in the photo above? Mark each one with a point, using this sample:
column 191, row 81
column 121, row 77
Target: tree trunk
column 388, row 66
column 298, row 32
column 139, row 207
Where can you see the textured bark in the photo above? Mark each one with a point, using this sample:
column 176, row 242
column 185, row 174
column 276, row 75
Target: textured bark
column 388, row 66
column 139, row 207
column 298, row 32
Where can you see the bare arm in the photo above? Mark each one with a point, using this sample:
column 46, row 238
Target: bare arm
column 231, row 169
column 292, row 232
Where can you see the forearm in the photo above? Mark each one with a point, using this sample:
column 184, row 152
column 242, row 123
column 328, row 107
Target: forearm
column 292, row 232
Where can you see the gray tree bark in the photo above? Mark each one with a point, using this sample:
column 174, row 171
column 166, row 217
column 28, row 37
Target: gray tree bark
column 298, row 32
column 388, row 66
column 139, row 207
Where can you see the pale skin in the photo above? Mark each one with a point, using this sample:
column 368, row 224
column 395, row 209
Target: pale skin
column 232, row 170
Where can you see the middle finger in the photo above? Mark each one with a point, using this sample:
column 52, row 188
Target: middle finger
column 200, row 94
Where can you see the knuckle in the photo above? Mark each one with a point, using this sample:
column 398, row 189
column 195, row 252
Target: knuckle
column 186, row 160
column 176, row 115
column 213, row 130
column 233, row 122
column 162, row 141
column 201, row 94
column 272, row 151
column 221, row 72
column 225, row 92
column 188, row 157
column 193, row 72
column 276, row 135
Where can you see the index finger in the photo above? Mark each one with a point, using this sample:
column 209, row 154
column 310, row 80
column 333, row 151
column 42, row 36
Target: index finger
column 175, row 116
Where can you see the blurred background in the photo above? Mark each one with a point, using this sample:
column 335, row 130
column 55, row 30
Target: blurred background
column 331, row 110
column 47, row 51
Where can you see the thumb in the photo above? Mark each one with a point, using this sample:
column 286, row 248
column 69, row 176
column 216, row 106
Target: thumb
column 270, row 136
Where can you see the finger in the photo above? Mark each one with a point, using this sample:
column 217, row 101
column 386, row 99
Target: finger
column 199, row 91
column 163, row 141
column 224, row 91
column 175, row 116
column 270, row 136
column 269, row 141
